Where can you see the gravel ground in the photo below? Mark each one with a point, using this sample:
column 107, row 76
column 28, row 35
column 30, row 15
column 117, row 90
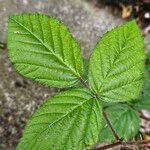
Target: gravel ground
column 19, row 97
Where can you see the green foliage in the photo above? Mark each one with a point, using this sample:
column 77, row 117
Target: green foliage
column 43, row 49
column 143, row 102
column 117, row 64
column 125, row 121
column 70, row 120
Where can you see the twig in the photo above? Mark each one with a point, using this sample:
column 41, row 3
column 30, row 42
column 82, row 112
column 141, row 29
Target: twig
column 145, row 146
column 111, row 127
column 141, row 142
column 144, row 117
column 108, row 146
column 122, row 143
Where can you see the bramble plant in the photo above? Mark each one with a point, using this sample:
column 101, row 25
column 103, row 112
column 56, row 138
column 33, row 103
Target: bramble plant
column 99, row 106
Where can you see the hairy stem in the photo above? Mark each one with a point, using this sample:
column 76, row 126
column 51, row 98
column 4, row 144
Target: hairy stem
column 83, row 82
column 111, row 127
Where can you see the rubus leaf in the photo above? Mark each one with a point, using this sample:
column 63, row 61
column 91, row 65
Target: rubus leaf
column 124, row 120
column 42, row 48
column 117, row 64
column 143, row 102
column 70, row 120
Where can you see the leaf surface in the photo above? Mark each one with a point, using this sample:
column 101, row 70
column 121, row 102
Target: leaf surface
column 70, row 120
column 43, row 49
column 124, row 120
column 143, row 102
column 117, row 64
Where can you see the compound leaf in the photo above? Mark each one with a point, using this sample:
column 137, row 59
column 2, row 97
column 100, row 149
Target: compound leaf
column 117, row 64
column 70, row 120
column 124, row 120
column 43, row 49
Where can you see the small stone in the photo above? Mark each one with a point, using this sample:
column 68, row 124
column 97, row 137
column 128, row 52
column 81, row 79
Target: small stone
column 10, row 120
column 1, row 130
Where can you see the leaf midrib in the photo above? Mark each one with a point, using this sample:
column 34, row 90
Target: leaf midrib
column 65, row 64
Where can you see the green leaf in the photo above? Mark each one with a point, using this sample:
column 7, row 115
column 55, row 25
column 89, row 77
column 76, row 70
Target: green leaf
column 117, row 64
column 125, row 121
column 143, row 102
column 42, row 48
column 70, row 120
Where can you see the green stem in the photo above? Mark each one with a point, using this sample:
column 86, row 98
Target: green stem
column 119, row 141
column 111, row 127
column 95, row 95
column 83, row 82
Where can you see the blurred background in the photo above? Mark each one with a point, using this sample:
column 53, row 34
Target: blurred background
column 87, row 20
